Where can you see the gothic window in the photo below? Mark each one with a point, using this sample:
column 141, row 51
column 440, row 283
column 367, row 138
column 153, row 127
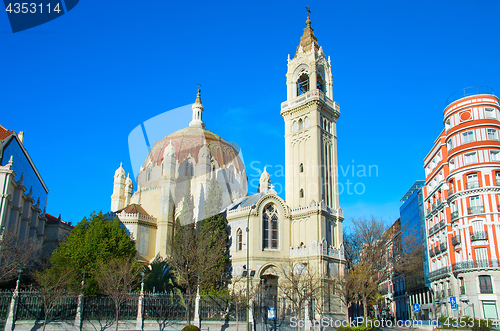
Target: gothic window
column 301, row 193
column 301, row 167
column 239, row 240
column 270, row 227
column 188, row 169
column 302, row 84
column 306, row 122
column 301, row 124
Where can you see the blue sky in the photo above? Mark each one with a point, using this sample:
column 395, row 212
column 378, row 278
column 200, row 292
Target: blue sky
column 78, row 85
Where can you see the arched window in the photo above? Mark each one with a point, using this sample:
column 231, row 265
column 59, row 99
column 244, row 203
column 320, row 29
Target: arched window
column 301, row 124
column 303, row 83
column 270, row 227
column 239, row 240
column 320, row 85
column 301, row 167
column 301, row 193
column 188, row 169
column 148, row 173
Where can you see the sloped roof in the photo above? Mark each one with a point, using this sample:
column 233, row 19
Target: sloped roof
column 4, row 133
column 134, row 209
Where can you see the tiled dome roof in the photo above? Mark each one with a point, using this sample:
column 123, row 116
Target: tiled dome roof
column 190, row 140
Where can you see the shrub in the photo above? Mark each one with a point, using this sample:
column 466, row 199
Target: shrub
column 190, row 328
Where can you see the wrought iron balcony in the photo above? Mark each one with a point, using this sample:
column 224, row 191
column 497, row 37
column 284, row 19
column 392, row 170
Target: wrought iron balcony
column 486, row 289
column 436, row 250
column 431, row 230
column 443, row 247
column 479, row 235
column 442, row 224
column 450, row 191
column 441, row 272
column 454, row 215
column 472, row 184
column 479, row 264
column 475, row 210
column 456, row 240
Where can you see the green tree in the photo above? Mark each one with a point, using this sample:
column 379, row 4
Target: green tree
column 213, row 237
column 91, row 243
column 213, row 203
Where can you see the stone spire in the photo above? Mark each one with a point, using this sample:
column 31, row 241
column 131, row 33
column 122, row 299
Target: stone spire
column 308, row 39
column 197, row 108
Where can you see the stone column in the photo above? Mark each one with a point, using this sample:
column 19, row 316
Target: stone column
column 79, row 311
column 197, row 320
column 11, row 318
column 307, row 318
column 139, row 323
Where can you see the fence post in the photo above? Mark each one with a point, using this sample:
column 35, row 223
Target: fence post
column 79, row 311
column 11, row 318
column 140, row 307
column 250, row 314
column 197, row 320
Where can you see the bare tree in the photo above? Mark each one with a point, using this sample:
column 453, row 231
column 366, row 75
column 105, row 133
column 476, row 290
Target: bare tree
column 116, row 279
column 16, row 254
column 301, row 283
column 51, row 286
column 376, row 253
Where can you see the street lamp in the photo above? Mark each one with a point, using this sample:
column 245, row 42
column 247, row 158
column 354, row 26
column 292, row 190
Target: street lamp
column 248, row 268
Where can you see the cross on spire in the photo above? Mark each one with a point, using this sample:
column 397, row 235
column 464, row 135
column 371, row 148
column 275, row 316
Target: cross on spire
column 199, row 86
column 308, row 11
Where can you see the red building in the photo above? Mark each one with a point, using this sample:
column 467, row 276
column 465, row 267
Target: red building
column 462, row 206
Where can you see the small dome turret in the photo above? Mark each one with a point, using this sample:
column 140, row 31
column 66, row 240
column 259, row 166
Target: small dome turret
column 120, row 172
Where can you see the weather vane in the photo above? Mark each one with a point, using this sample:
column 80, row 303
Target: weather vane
column 308, row 11
column 199, row 86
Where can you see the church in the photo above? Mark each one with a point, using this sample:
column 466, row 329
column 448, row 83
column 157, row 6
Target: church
column 305, row 229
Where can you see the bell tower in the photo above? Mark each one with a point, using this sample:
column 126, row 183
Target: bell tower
column 310, row 116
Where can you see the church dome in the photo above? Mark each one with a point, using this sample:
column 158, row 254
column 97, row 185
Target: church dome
column 189, row 141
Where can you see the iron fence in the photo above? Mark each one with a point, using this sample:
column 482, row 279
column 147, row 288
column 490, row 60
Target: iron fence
column 31, row 306
column 102, row 307
column 5, row 298
column 162, row 306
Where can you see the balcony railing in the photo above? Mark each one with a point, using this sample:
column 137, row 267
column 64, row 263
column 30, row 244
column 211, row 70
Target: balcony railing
column 450, row 191
column 472, row 90
column 475, row 210
column 439, row 273
column 479, row 235
column 442, row 224
column 443, row 247
column 479, row 264
column 462, row 290
column 472, row 184
column 436, row 250
column 431, row 253
column 454, row 215
column 456, row 240
column 431, row 230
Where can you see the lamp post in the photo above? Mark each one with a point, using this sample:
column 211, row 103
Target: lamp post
column 248, row 268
